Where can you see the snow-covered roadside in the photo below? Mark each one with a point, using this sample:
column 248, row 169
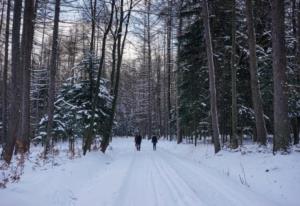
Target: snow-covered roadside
column 277, row 177
column 51, row 182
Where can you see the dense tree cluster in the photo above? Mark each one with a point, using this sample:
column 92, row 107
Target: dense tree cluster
column 248, row 78
column 225, row 70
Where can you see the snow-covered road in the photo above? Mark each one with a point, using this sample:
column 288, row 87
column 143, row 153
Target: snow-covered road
column 125, row 177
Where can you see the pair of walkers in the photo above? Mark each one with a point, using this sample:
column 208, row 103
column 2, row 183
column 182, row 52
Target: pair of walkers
column 138, row 141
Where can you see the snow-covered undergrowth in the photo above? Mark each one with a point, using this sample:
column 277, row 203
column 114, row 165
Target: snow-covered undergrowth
column 277, row 177
column 51, row 181
column 112, row 178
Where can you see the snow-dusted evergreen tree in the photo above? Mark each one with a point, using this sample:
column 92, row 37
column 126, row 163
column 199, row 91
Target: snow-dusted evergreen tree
column 73, row 107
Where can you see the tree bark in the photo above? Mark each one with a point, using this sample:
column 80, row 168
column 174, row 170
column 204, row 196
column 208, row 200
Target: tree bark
column 281, row 120
column 120, row 50
column 260, row 125
column 169, row 65
column 16, row 74
column 178, row 79
column 149, row 64
column 89, row 136
column 158, row 93
column 26, row 49
column 53, row 68
column 114, row 49
column 212, row 85
column 297, row 119
column 93, row 5
column 2, row 17
column 295, row 126
column 5, row 69
column 234, row 137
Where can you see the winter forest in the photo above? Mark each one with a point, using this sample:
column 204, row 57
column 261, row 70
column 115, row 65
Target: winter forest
column 90, row 87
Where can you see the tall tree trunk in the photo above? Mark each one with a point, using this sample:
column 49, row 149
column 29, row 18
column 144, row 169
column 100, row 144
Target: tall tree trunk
column 212, row 85
column 260, row 125
column 165, row 85
column 281, row 120
column 178, row 79
column 1, row 18
column 1, row 25
column 42, row 60
column 169, row 64
column 93, row 5
column 114, row 49
column 149, row 65
column 120, row 50
column 158, row 93
column 53, row 68
column 15, row 109
column 89, row 136
column 234, row 138
column 5, row 69
column 26, row 49
column 297, row 119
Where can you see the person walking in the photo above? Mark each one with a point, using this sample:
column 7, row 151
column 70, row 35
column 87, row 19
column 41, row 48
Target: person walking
column 138, row 141
column 154, row 142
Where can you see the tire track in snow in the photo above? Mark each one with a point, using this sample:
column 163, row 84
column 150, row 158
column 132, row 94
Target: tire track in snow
column 210, row 186
column 137, row 188
column 111, row 179
column 181, row 192
column 166, row 190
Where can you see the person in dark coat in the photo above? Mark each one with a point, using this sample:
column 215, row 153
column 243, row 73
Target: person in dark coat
column 154, row 141
column 138, row 141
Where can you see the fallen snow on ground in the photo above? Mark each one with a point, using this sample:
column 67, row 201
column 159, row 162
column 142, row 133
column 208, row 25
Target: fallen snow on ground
column 173, row 175
column 276, row 177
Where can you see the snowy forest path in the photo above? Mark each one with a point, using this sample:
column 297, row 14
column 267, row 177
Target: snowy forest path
column 161, row 178
column 126, row 177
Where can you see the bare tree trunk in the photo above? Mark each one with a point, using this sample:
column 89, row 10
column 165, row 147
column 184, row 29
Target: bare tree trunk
column 93, row 5
column 26, row 49
column 298, row 41
column 43, row 33
column 178, row 79
column 89, row 136
column 158, row 92
column 260, row 125
column 212, row 85
column 149, row 64
column 120, row 50
column 1, row 18
column 281, row 120
column 1, row 24
column 297, row 119
column 165, row 84
column 53, row 68
column 14, row 121
column 234, row 138
column 114, row 49
column 92, row 46
column 169, row 64
column 5, row 69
